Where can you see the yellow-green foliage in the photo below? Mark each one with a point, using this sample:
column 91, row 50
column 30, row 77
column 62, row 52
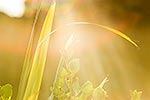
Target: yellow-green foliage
column 6, row 92
column 66, row 85
column 135, row 95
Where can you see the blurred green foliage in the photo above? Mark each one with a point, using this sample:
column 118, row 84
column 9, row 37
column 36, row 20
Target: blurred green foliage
column 67, row 86
column 5, row 92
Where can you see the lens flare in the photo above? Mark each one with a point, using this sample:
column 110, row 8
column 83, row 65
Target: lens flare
column 13, row 8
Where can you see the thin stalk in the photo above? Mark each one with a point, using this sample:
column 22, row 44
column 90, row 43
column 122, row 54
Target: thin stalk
column 93, row 24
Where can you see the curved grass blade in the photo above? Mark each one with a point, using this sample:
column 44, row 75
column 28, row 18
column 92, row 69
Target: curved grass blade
column 36, row 73
column 94, row 24
column 28, row 58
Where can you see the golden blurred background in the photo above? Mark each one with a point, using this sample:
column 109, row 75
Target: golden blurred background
column 101, row 52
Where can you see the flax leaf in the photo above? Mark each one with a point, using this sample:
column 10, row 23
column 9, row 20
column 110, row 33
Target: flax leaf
column 28, row 58
column 39, row 59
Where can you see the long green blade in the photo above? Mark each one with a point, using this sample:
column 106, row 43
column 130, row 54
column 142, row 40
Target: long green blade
column 36, row 74
column 28, row 59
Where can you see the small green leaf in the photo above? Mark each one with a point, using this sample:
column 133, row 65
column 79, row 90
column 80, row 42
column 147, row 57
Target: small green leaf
column 87, row 87
column 76, row 86
column 99, row 94
column 62, row 72
column 135, row 95
column 74, row 65
column 69, row 42
column 6, row 92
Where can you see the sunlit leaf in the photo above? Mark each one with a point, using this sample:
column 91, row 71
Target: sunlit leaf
column 107, row 28
column 74, row 65
column 135, row 95
column 87, row 87
column 103, row 82
column 99, row 93
column 69, row 42
column 62, row 72
column 28, row 58
column 6, row 92
column 36, row 74
column 76, row 86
